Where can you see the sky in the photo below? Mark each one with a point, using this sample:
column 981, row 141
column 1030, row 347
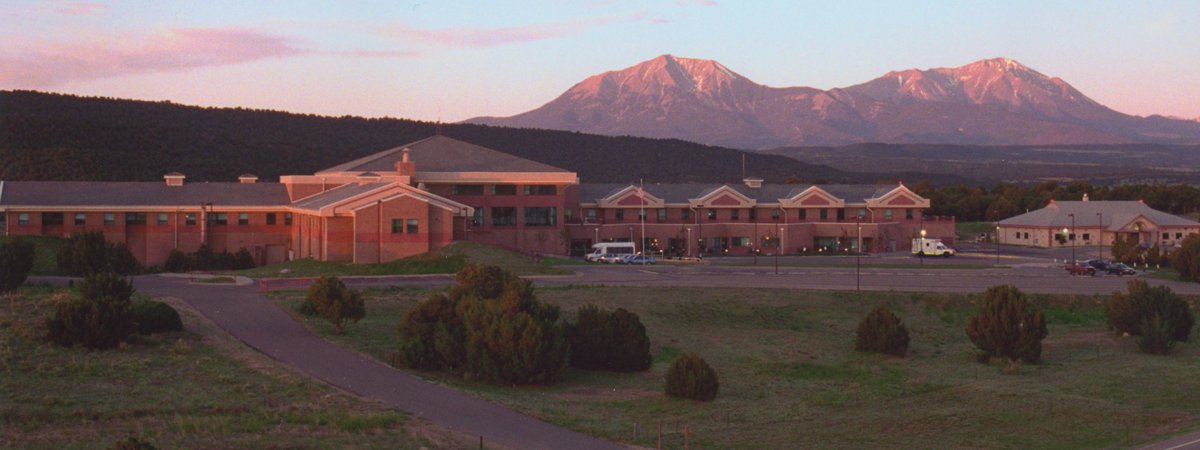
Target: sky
column 451, row 60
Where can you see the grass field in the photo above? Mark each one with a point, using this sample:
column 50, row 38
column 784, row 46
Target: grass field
column 195, row 389
column 45, row 253
column 790, row 379
column 446, row 260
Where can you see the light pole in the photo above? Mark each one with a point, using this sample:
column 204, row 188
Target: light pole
column 997, row 245
column 689, row 242
column 1072, row 237
column 921, row 252
column 1100, row 232
column 858, row 259
column 597, row 241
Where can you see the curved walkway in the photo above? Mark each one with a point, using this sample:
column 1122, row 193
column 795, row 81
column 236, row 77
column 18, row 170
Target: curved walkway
column 255, row 320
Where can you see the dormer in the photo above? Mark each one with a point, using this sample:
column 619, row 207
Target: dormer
column 753, row 182
column 174, row 179
column 367, row 178
column 246, row 178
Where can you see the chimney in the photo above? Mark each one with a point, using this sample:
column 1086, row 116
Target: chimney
column 174, row 179
column 753, row 182
column 246, row 178
column 1085, row 198
column 405, row 168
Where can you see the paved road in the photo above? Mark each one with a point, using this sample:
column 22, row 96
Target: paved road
column 255, row 320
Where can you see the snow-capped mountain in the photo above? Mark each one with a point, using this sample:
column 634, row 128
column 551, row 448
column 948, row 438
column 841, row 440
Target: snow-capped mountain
column 993, row 101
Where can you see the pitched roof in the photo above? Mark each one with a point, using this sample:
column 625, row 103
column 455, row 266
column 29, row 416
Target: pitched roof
column 337, row 194
column 1088, row 214
column 768, row 193
column 443, row 154
column 140, row 193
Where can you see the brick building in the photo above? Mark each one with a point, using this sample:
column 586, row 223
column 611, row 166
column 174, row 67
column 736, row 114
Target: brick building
column 424, row 195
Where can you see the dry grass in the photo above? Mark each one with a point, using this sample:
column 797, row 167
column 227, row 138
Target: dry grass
column 195, row 389
column 789, row 376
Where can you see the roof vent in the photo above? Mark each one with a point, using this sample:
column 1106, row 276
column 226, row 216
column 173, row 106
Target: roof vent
column 247, row 178
column 368, row 177
column 753, row 182
column 174, row 179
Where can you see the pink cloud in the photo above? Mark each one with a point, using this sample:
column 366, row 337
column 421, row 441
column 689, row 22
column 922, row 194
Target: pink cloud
column 360, row 53
column 82, row 9
column 491, row 37
column 697, row 2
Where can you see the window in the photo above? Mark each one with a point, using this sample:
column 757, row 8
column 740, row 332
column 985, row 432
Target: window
column 741, row 242
column 803, row 214
column 287, row 218
column 218, row 219
column 568, row 214
column 908, row 213
column 477, row 218
column 3, row 222
column 52, row 218
column 1087, row 236
column 685, row 214
column 541, row 216
column 540, row 190
column 887, row 214
column 1026, row 235
column 270, row 218
column 504, row 189
column 467, row 189
column 775, row 215
column 1178, row 235
column 642, row 215
column 712, row 214
column 841, row 215
column 753, row 214
column 862, row 212
column 824, row 214
column 505, row 216
column 662, row 214
column 80, row 219
column 397, row 226
column 411, row 226
column 189, row 218
column 23, row 219
column 110, row 218
column 620, row 215
column 135, row 218
column 735, row 214
column 1071, row 237
column 243, row 218
column 162, row 218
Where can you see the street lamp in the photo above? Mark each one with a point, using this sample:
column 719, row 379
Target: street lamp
column 858, row 258
column 1072, row 238
column 997, row 245
column 689, row 242
column 1100, row 232
column 597, row 241
column 921, row 251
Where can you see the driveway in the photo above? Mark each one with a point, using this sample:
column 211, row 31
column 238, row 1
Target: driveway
column 258, row 322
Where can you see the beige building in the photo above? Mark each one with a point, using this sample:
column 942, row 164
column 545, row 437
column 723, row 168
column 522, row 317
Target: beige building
column 1099, row 223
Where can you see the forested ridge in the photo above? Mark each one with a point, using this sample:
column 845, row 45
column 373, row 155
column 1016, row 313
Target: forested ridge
column 46, row 136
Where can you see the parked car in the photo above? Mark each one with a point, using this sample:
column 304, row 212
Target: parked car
column 640, row 259
column 610, row 259
column 1099, row 264
column 1080, row 269
column 1120, row 269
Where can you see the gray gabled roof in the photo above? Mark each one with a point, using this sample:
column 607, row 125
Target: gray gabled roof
column 140, row 193
column 443, row 154
column 337, row 194
column 768, row 193
column 1115, row 214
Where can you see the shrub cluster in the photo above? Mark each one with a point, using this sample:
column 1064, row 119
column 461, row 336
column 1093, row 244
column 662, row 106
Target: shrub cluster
column 691, row 377
column 205, row 259
column 1007, row 326
column 488, row 326
column 16, row 260
column 88, row 252
column 152, row 317
column 882, row 332
column 338, row 304
column 603, row 340
column 1155, row 314
column 1186, row 259
column 102, row 317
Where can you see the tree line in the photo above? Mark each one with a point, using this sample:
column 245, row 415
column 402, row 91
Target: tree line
column 1004, row 200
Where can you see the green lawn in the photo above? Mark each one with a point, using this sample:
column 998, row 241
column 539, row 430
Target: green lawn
column 790, row 379
column 446, row 260
column 195, row 389
column 45, row 253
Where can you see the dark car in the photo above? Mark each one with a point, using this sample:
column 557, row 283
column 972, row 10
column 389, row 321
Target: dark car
column 1098, row 264
column 1120, row 269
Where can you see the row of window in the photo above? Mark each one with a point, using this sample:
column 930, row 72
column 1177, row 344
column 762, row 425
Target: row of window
column 735, row 214
column 401, row 226
column 503, row 189
column 506, row 216
column 141, row 218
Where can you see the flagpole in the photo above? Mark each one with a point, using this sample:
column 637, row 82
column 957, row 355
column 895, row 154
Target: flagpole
column 642, row 194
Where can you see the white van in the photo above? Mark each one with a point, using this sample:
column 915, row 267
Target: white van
column 607, row 251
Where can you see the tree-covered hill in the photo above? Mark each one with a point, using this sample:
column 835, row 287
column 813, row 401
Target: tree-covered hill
column 47, row 136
